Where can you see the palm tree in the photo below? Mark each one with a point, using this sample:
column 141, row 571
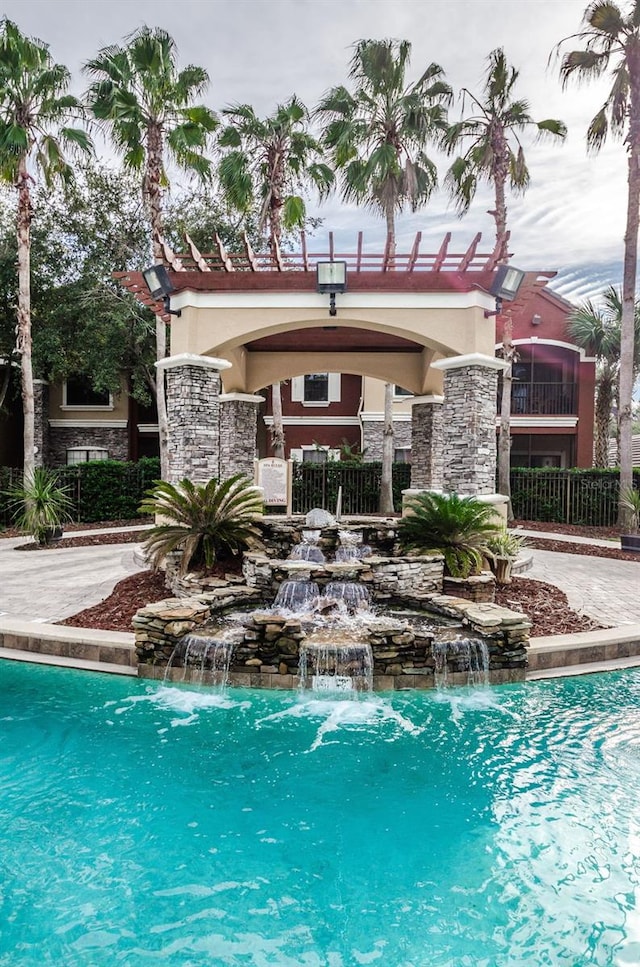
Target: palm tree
column 147, row 106
column 598, row 330
column 495, row 154
column 611, row 40
column 34, row 136
column 378, row 136
column 266, row 163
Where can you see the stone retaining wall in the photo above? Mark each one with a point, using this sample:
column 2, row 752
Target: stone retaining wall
column 267, row 656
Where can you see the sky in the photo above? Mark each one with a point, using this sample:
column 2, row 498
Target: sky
column 572, row 217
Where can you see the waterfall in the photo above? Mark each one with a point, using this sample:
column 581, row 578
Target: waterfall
column 336, row 666
column 308, row 550
column 296, row 595
column 351, row 547
column 205, row 659
column 461, row 655
column 348, row 595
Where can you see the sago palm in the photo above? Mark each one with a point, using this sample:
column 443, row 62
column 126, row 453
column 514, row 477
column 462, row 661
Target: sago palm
column 610, row 41
column 457, row 527
column 267, row 163
column 203, row 521
column 35, row 135
column 379, row 133
column 147, row 106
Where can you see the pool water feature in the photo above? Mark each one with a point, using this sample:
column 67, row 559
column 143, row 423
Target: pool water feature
column 145, row 824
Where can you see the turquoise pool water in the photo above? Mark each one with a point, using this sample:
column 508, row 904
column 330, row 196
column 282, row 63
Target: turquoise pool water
column 143, row 825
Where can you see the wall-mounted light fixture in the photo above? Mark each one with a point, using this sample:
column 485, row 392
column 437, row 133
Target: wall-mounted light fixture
column 331, row 277
column 505, row 285
column 159, row 285
column 536, row 319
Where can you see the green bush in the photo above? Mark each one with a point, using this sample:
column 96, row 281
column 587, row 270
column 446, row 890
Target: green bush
column 111, row 490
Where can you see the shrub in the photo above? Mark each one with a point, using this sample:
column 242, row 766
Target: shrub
column 459, row 528
column 205, row 521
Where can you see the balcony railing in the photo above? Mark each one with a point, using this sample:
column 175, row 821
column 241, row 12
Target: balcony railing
column 551, row 399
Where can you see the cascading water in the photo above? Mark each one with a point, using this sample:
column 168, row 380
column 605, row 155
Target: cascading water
column 331, row 664
column 297, row 595
column 351, row 547
column 205, row 659
column 461, row 655
column 308, row 549
column 348, row 595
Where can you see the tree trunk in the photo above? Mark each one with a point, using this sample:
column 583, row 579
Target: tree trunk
column 277, row 427
column 627, row 333
column 386, row 480
column 23, row 329
column 604, row 404
column 390, row 218
column 504, row 435
column 153, row 196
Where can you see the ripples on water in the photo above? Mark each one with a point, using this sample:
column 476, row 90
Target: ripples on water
column 147, row 824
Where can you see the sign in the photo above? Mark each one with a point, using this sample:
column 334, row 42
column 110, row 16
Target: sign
column 273, row 476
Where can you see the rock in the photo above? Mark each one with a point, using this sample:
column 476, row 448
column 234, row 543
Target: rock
column 318, row 518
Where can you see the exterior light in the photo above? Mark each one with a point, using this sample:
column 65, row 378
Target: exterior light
column 159, row 285
column 505, row 285
column 331, row 278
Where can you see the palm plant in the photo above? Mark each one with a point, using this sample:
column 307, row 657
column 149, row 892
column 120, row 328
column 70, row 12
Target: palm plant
column 147, row 107
column 203, row 521
column 493, row 150
column 40, row 504
column 35, row 109
column 630, row 500
column 494, row 153
column 457, row 527
column 597, row 329
column 611, row 39
column 267, row 162
column 378, row 134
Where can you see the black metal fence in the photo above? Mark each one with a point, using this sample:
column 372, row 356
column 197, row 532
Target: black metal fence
column 567, row 496
column 317, row 485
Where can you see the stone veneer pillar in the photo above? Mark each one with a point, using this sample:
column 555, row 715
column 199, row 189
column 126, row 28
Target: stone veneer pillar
column 41, row 422
column 469, row 422
column 426, row 443
column 238, row 433
column 193, row 411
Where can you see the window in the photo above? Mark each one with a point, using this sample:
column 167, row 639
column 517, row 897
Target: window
column 402, row 455
column 78, row 392
column 316, row 389
column 400, row 391
column 314, row 456
column 85, row 454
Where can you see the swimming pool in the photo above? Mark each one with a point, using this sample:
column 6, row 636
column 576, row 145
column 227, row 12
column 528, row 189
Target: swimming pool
column 151, row 825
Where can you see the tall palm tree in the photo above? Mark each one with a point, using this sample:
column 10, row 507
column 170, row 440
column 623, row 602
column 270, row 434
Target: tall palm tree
column 379, row 133
column 378, row 136
column 611, row 39
column 35, row 109
column 146, row 104
column 494, row 153
column 598, row 330
column 267, row 163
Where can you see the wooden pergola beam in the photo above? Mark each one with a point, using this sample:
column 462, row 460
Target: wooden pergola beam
column 442, row 254
column 469, row 254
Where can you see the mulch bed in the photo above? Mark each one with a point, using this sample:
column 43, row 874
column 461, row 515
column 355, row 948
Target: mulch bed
column 545, row 604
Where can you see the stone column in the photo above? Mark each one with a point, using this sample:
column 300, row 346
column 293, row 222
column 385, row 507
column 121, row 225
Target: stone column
column 469, row 423
column 426, row 443
column 41, row 422
column 193, row 410
column 238, row 433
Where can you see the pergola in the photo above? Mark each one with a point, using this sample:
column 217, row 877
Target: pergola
column 423, row 320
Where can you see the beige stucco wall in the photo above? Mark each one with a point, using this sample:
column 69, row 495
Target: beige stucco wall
column 118, row 411
column 223, row 330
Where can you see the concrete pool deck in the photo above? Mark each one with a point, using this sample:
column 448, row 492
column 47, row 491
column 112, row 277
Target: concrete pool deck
column 38, row 589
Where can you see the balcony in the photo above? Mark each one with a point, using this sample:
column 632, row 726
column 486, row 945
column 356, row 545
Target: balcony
column 550, row 399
